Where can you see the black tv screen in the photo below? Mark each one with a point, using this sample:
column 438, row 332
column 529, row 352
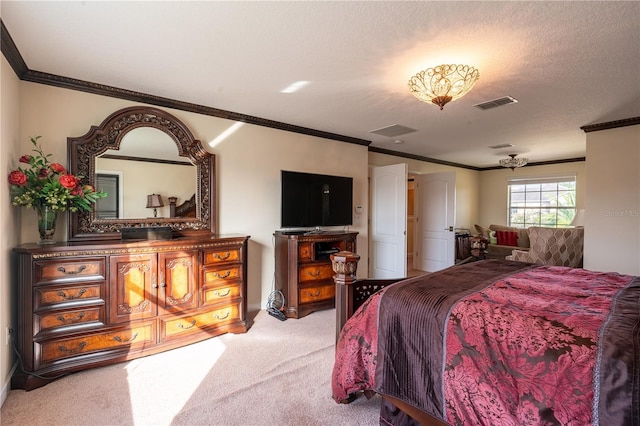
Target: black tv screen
column 315, row 200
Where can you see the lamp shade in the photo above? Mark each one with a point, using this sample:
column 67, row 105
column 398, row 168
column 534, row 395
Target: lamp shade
column 444, row 83
column 154, row 201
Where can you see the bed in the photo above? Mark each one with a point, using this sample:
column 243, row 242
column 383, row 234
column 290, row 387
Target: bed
column 493, row 342
column 186, row 209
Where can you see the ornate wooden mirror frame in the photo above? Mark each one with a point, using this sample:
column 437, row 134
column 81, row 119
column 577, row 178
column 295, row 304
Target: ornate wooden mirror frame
column 81, row 156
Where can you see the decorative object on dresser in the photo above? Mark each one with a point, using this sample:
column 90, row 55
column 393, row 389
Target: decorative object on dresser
column 303, row 269
column 153, row 202
column 84, row 151
column 49, row 188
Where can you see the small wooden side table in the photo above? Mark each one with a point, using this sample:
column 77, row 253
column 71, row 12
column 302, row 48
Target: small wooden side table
column 479, row 246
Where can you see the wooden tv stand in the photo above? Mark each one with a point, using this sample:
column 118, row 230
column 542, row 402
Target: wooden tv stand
column 303, row 269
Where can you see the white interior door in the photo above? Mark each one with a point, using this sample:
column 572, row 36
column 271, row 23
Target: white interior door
column 435, row 221
column 388, row 233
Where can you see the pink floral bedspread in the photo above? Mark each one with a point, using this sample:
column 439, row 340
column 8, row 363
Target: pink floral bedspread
column 522, row 351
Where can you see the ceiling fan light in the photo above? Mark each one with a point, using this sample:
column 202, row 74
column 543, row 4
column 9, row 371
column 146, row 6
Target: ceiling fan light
column 444, row 83
column 512, row 162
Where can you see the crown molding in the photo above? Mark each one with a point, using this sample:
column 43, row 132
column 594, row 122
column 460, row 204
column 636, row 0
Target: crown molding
column 421, row 158
column 23, row 72
column 11, row 53
column 611, row 124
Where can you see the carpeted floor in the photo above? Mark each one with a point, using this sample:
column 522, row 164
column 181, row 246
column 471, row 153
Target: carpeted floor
column 278, row 373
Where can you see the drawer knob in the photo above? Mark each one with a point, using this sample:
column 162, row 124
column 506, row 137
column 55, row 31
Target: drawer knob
column 186, row 327
column 64, row 320
column 77, row 271
column 314, row 273
column 121, row 340
column 222, row 256
column 315, row 294
column 69, row 297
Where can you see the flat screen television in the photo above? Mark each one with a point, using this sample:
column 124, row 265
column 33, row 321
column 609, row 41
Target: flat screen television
column 312, row 200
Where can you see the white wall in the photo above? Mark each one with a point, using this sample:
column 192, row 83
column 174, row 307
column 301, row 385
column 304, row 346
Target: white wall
column 494, row 194
column 612, row 214
column 9, row 220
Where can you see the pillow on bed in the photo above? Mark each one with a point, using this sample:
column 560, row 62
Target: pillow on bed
column 507, row 238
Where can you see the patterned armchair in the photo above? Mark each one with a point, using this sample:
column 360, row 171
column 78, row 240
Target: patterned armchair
column 553, row 246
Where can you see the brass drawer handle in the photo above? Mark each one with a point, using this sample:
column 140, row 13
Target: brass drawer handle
column 121, row 340
column 186, row 327
column 218, row 317
column 223, row 256
column 223, row 276
column 80, row 347
column 219, row 294
column 314, row 273
column 64, row 295
column 316, row 294
column 64, row 320
column 77, row 271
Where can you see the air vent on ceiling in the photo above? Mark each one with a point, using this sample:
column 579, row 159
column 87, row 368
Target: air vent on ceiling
column 496, row 103
column 504, row 145
column 393, row 131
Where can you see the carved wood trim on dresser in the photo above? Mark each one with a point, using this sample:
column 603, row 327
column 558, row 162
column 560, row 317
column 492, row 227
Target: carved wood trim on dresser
column 89, row 304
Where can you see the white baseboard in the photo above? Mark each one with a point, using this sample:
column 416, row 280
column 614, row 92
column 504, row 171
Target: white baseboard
column 6, row 386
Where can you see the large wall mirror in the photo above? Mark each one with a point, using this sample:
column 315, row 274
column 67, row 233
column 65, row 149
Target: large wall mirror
column 155, row 172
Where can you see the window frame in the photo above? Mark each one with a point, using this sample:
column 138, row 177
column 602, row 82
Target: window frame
column 529, row 212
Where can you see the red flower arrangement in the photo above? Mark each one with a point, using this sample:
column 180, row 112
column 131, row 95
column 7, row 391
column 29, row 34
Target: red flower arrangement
column 46, row 184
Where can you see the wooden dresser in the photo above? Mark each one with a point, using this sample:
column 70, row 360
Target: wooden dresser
column 87, row 304
column 303, row 269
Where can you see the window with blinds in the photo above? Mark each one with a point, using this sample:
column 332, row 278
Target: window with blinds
column 549, row 202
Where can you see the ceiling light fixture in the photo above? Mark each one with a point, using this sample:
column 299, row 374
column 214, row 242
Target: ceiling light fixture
column 443, row 84
column 513, row 162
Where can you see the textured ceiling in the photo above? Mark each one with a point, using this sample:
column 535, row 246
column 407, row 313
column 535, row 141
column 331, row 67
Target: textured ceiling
column 568, row 64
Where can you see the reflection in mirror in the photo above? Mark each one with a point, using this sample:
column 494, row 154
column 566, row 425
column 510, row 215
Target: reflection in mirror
column 189, row 200
column 147, row 162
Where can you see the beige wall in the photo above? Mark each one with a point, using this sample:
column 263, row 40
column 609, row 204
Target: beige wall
column 494, row 194
column 9, row 219
column 248, row 166
column 612, row 214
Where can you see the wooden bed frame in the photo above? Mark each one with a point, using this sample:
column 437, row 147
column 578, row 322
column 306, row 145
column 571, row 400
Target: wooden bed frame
column 351, row 293
column 186, row 209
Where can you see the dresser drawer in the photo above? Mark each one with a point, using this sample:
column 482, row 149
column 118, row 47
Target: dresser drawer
column 317, row 293
column 212, row 295
column 221, row 274
column 231, row 254
column 81, row 293
column 72, row 319
column 171, row 327
column 304, row 251
column 61, row 270
column 315, row 272
column 52, row 350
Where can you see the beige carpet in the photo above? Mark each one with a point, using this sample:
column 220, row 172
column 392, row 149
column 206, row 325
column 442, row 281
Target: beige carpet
column 278, row 373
